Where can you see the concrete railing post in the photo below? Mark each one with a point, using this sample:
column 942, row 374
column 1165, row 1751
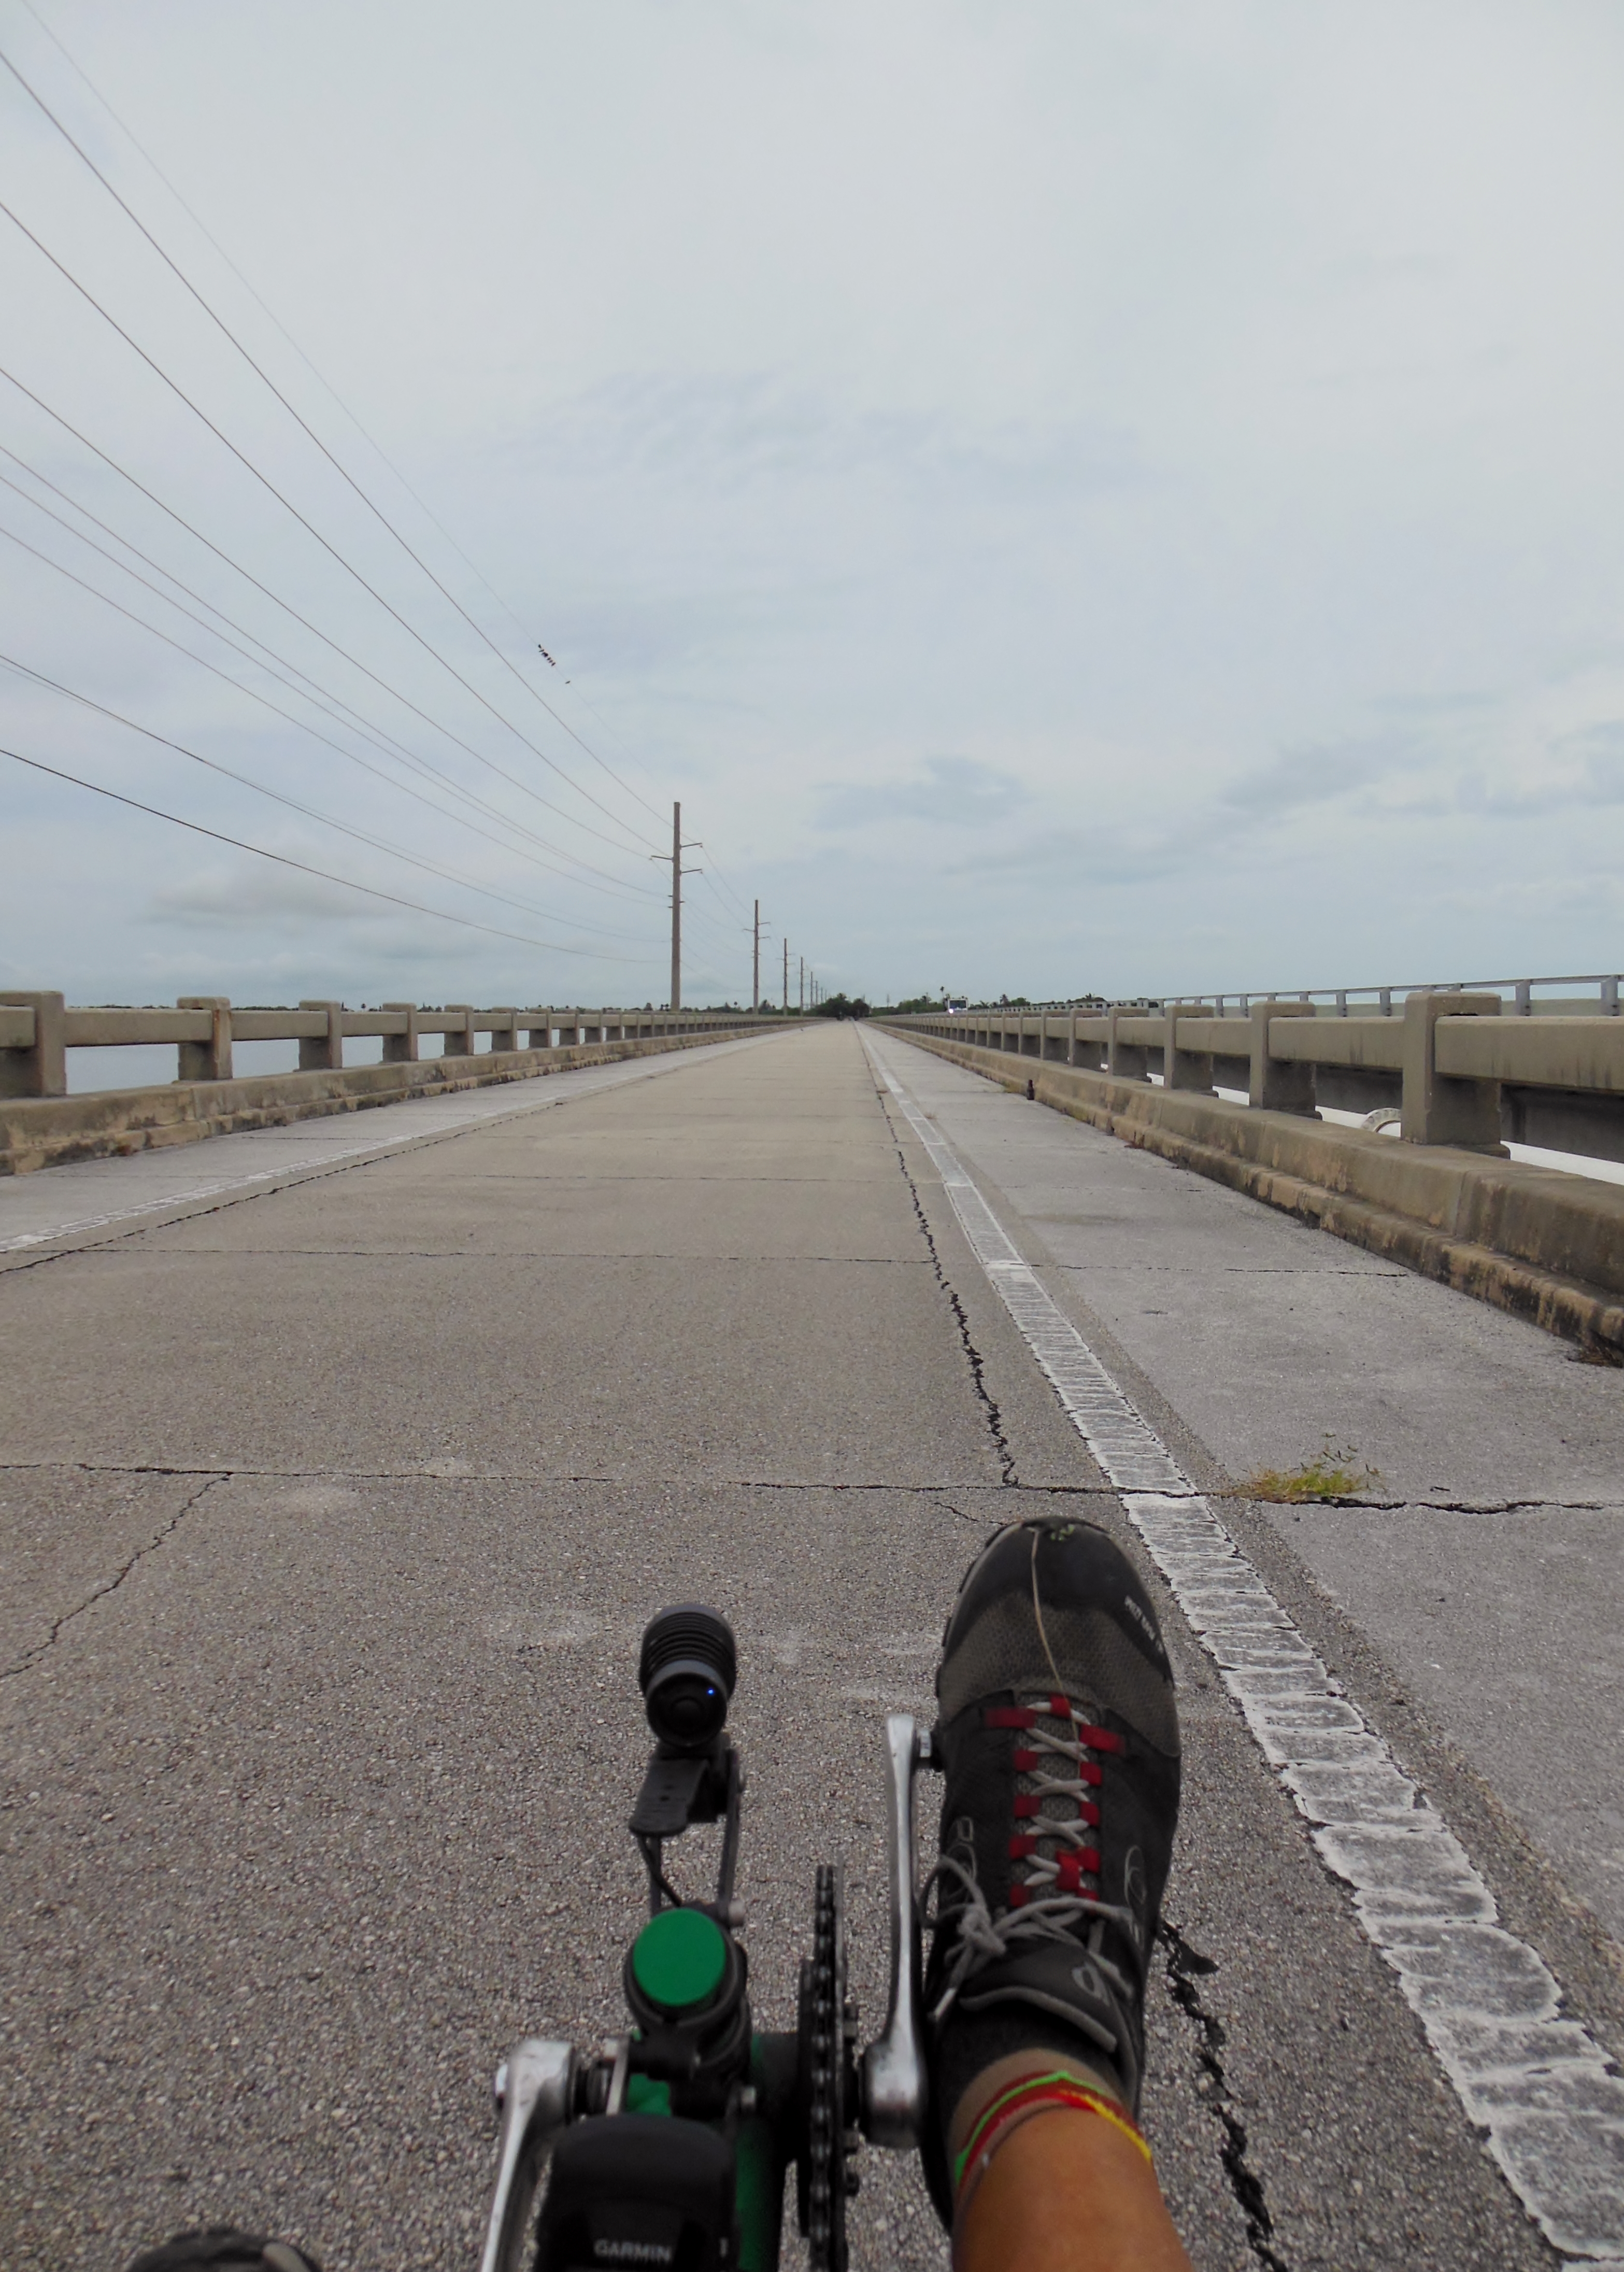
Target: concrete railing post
column 209, row 1060
column 401, row 1049
column 1125, row 1060
column 1277, row 1084
column 323, row 1053
column 41, row 1070
column 1438, row 1110
column 504, row 1029
column 465, row 1046
column 1189, row 1069
column 539, row 1029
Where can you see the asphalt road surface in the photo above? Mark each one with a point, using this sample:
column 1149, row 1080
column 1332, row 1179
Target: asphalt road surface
column 336, row 1485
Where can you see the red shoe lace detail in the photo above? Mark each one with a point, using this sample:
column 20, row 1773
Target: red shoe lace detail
column 1054, row 1777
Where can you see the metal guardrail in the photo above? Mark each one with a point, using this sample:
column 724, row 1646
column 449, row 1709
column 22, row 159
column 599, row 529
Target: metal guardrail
column 1451, row 1066
column 37, row 1031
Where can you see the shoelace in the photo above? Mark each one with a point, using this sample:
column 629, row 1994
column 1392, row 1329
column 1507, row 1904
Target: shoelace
column 1056, row 1879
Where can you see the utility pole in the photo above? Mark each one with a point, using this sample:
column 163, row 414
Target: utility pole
column 756, row 965
column 678, row 846
column 787, row 978
column 803, row 985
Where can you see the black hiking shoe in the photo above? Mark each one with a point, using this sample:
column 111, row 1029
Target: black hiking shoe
column 222, row 2248
column 1059, row 1738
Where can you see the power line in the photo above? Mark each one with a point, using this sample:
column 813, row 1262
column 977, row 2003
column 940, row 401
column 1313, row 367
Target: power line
column 328, row 388
column 738, row 906
column 347, row 883
column 721, row 880
column 246, row 780
column 332, row 550
column 285, row 502
column 327, row 640
column 589, row 707
column 343, row 472
column 254, row 693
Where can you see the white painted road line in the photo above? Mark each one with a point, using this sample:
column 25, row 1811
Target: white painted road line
column 1537, row 2084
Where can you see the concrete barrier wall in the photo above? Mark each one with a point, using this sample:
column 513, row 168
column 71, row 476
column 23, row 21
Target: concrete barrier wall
column 1453, row 1067
column 43, row 1132
column 37, row 1031
column 1546, row 1245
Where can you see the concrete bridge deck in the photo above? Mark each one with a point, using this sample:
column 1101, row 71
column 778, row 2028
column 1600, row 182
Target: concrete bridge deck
column 337, row 1486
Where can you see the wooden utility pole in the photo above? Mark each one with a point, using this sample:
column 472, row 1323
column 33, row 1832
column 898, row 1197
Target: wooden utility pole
column 787, row 978
column 803, row 985
column 677, row 873
column 677, row 907
column 755, row 964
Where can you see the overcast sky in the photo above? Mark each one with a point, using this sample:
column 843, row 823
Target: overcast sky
column 1071, row 496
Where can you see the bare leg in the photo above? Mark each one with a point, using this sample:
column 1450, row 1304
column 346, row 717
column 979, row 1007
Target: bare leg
column 1066, row 2193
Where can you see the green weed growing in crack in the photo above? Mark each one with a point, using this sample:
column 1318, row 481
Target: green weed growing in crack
column 1335, row 1472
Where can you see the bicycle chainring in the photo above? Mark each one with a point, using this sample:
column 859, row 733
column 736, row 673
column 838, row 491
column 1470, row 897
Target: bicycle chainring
column 828, row 2080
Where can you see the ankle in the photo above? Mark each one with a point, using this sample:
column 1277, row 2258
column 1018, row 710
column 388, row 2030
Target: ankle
column 1015, row 2089
column 1068, row 2191
column 1022, row 2067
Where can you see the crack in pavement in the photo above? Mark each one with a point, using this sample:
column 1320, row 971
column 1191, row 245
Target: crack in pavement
column 1209, row 1270
column 981, row 1522
column 219, row 1472
column 540, row 1176
column 993, row 1417
column 973, row 1355
column 524, row 1254
column 1436, row 1506
column 1186, row 1965
column 111, row 1585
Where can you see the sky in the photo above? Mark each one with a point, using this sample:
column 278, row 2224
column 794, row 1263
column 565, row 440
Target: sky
column 1072, row 499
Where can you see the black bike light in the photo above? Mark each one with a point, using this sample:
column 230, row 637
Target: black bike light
column 687, row 1671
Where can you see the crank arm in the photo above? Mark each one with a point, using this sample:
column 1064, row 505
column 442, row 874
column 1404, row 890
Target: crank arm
column 894, row 2089
column 536, row 2088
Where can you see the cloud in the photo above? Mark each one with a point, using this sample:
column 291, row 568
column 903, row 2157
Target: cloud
column 1584, row 768
column 749, row 427
column 952, row 792
column 1298, row 778
column 221, row 898
column 827, row 387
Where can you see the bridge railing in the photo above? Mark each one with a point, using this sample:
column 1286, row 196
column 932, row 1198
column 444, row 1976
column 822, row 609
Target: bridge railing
column 38, row 1029
column 1449, row 1066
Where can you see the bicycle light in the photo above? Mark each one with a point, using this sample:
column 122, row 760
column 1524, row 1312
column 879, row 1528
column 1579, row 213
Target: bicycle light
column 687, row 1669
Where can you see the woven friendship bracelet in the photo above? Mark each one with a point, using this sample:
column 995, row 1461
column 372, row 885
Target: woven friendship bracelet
column 1037, row 2095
